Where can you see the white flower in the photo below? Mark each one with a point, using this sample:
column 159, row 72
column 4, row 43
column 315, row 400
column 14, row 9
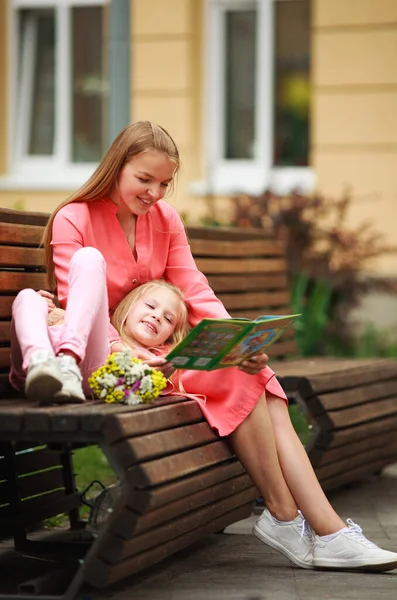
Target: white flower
column 146, row 384
column 108, row 380
column 133, row 399
column 123, row 359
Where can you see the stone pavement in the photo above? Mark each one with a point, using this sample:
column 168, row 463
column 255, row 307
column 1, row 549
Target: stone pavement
column 237, row 566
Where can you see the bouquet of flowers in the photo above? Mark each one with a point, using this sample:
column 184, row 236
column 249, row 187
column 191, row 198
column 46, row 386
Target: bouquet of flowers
column 126, row 380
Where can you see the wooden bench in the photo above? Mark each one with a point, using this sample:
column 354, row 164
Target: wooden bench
column 179, row 481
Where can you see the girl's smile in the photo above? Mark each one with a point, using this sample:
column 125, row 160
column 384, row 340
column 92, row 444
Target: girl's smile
column 151, row 321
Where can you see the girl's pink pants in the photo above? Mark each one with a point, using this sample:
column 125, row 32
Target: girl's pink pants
column 85, row 328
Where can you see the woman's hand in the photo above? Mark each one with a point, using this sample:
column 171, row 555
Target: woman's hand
column 253, row 365
column 49, row 298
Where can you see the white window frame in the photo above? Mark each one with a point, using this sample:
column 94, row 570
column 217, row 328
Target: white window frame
column 229, row 176
column 43, row 172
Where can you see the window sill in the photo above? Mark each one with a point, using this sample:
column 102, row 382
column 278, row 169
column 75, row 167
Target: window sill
column 49, row 178
column 281, row 181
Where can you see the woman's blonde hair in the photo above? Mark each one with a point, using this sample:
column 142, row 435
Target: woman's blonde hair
column 135, row 139
column 121, row 312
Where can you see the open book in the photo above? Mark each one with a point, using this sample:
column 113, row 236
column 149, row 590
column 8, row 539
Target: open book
column 219, row 343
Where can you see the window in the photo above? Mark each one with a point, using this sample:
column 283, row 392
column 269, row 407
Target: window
column 59, row 89
column 258, row 92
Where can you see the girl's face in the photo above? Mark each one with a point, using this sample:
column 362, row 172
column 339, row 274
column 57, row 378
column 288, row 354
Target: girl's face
column 143, row 181
column 153, row 318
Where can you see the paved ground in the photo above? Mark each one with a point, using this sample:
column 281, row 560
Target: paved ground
column 237, row 566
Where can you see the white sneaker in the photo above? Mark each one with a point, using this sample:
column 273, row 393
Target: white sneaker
column 44, row 377
column 293, row 539
column 72, row 389
column 351, row 550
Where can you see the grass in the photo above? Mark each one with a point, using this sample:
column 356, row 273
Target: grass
column 300, row 422
column 90, row 463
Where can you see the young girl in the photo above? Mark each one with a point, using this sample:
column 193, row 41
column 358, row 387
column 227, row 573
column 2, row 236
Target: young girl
column 154, row 317
column 120, row 215
column 150, row 320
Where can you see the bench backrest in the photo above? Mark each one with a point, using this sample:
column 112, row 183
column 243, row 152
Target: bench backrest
column 246, row 269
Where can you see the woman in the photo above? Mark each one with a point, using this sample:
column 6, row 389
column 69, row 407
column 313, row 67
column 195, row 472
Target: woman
column 120, row 212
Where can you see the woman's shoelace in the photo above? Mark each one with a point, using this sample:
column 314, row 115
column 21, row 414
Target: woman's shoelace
column 356, row 533
column 306, row 531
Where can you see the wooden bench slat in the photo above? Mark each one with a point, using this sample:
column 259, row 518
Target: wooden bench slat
column 5, row 358
column 5, row 306
column 13, row 281
column 10, row 215
column 332, row 439
column 350, row 462
column 142, row 499
column 35, row 510
column 130, row 523
column 37, row 460
column 374, row 371
column 334, row 454
column 354, row 475
column 235, row 283
column 252, row 314
column 15, row 256
column 100, row 574
column 236, row 265
column 352, row 397
column 323, row 375
column 121, row 426
column 5, row 331
column 138, row 449
column 281, row 348
column 363, row 430
column 20, row 235
column 114, row 549
column 260, row 300
column 351, row 416
column 234, row 234
column 41, row 482
column 235, row 249
column 173, row 467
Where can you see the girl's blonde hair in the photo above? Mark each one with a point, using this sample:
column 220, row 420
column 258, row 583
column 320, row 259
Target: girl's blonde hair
column 121, row 312
column 135, row 139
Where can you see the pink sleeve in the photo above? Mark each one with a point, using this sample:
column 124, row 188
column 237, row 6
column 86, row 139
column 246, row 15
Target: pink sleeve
column 182, row 271
column 67, row 238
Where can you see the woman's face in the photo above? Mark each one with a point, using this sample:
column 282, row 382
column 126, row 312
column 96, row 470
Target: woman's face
column 153, row 318
column 143, row 181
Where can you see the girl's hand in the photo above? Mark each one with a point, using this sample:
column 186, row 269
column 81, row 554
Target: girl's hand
column 157, row 362
column 253, row 365
column 162, row 365
column 49, row 298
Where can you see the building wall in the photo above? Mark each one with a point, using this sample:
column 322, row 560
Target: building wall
column 166, row 86
column 354, row 119
column 167, row 81
column 3, row 86
column 354, row 135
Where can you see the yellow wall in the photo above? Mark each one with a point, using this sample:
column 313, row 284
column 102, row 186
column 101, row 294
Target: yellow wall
column 354, row 134
column 3, row 88
column 167, row 80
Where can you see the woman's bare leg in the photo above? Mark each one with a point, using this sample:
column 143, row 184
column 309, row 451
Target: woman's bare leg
column 270, row 450
column 267, row 445
column 254, row 444
column 299, row 473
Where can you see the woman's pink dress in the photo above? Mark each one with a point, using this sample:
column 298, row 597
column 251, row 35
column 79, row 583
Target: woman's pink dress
column 162, row 252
